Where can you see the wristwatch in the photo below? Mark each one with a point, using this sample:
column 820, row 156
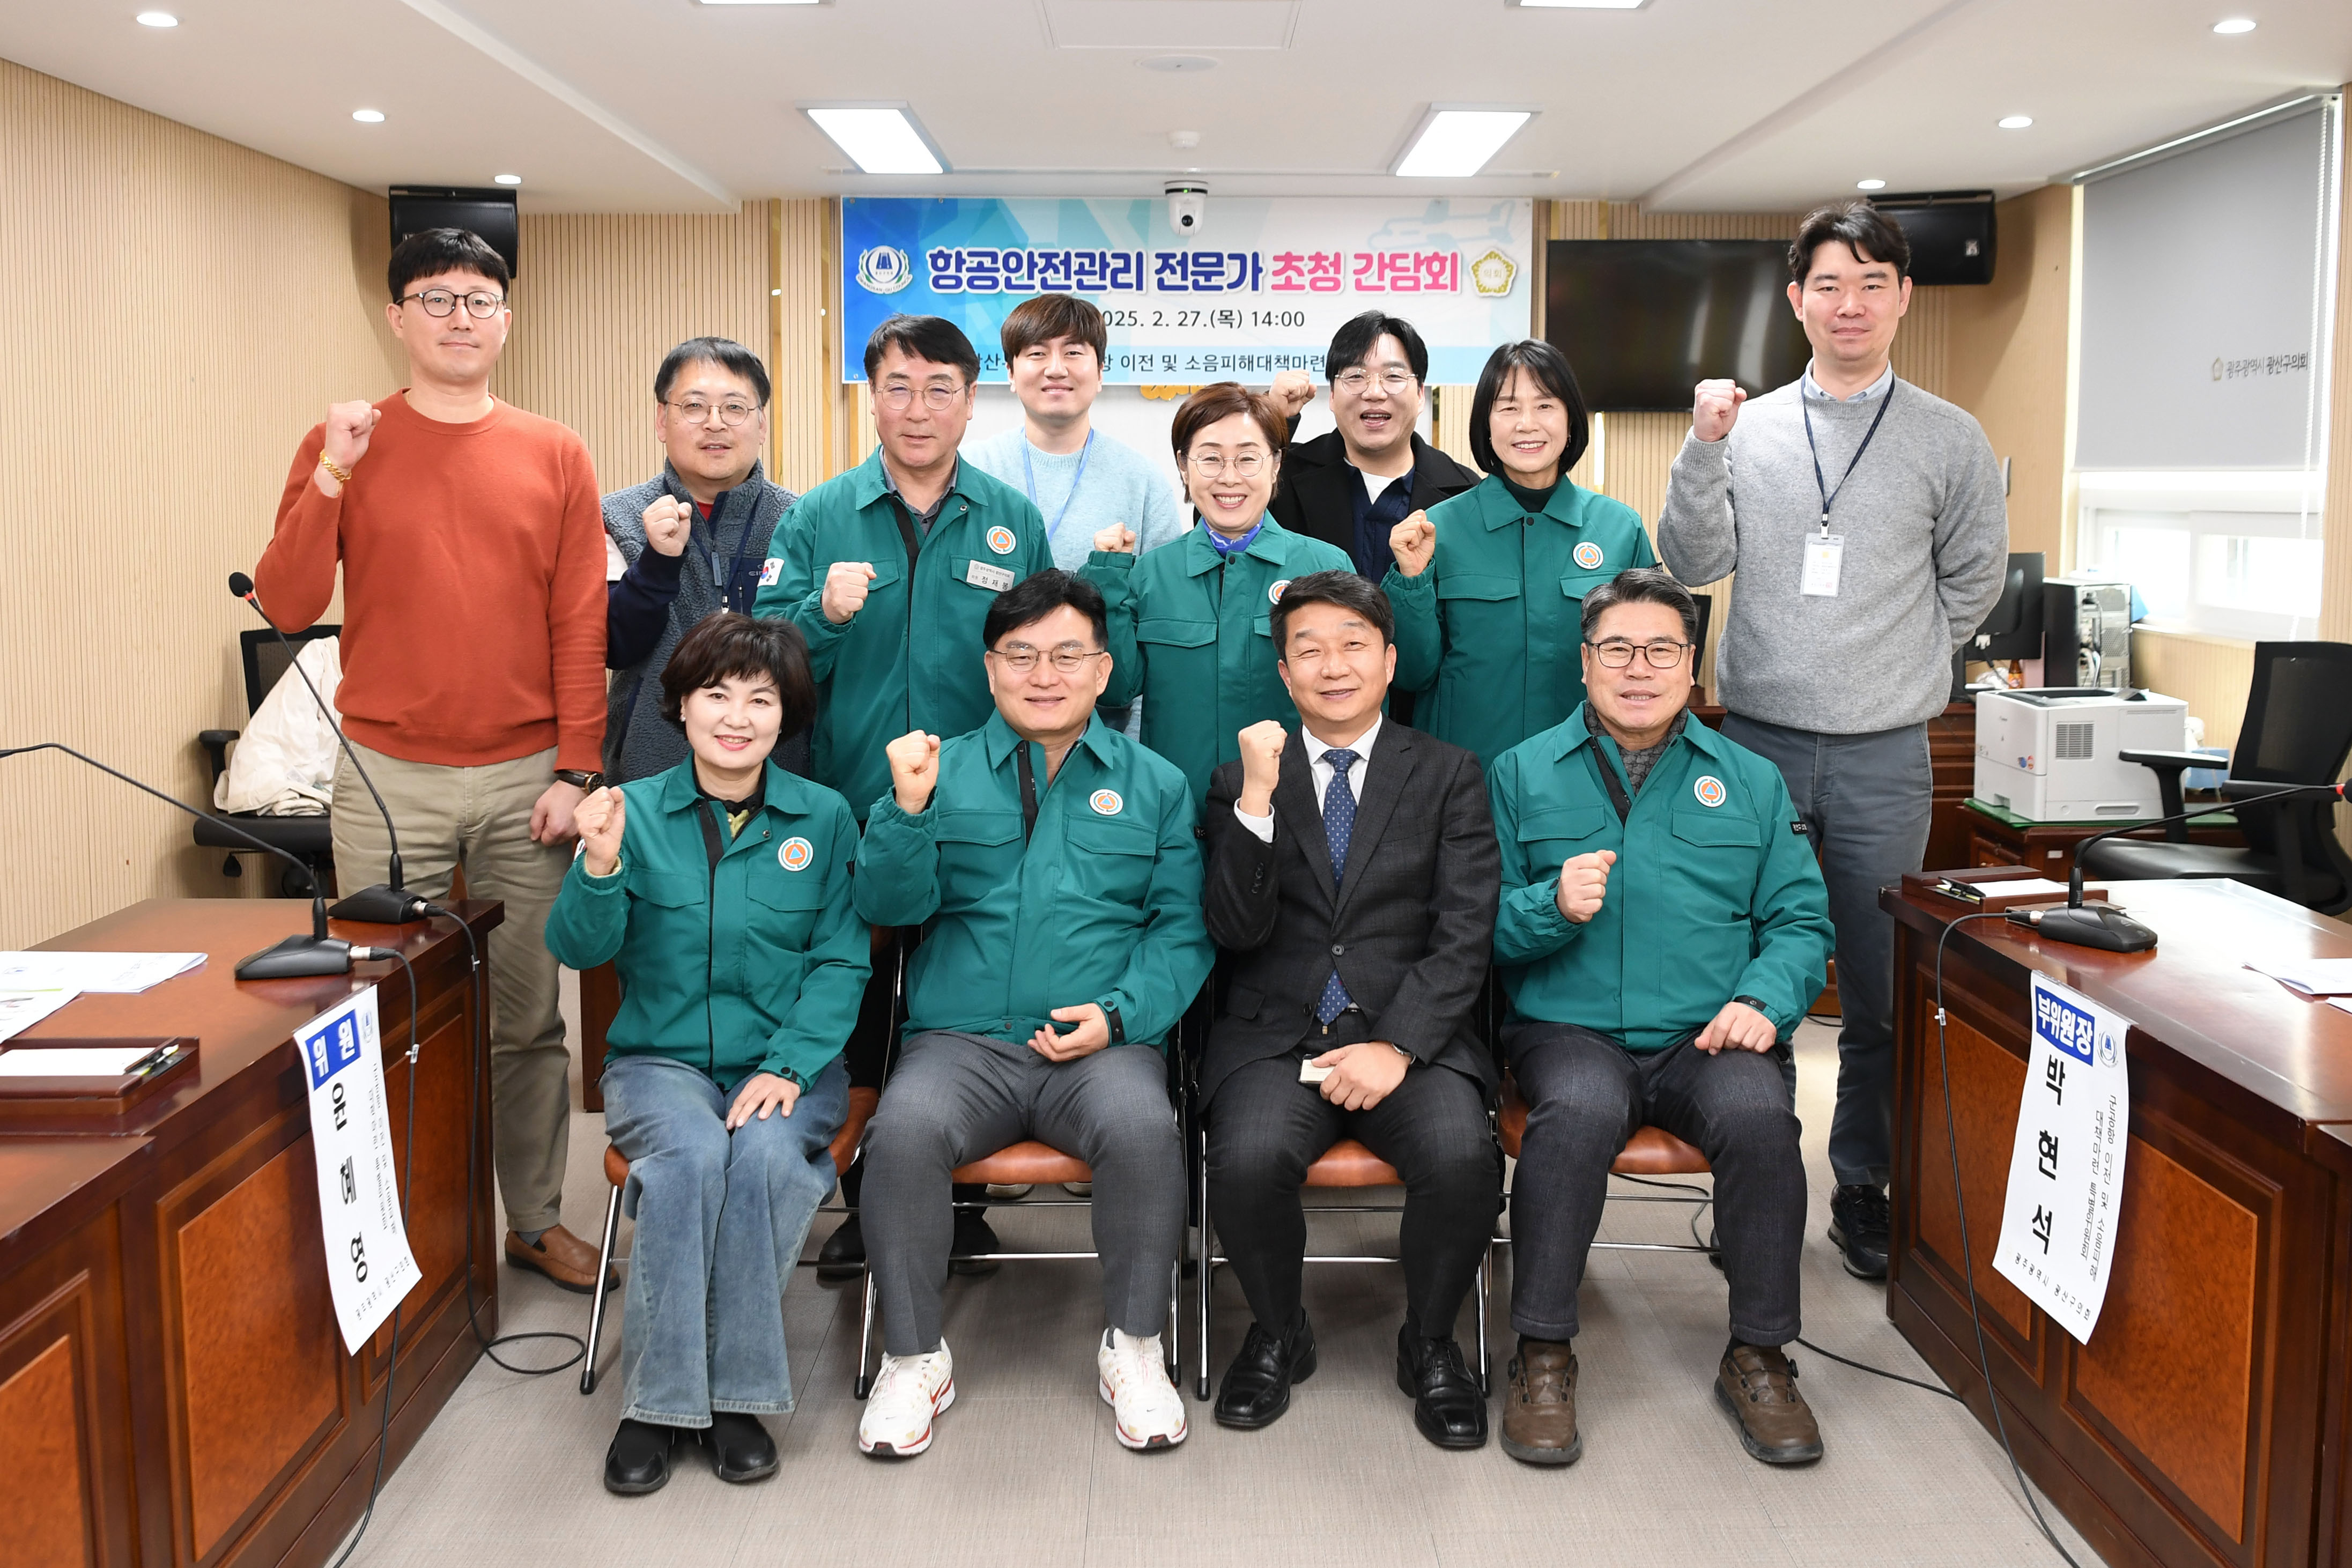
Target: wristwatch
column 588, row 782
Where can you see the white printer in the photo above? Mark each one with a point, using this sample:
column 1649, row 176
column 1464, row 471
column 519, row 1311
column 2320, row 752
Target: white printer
column 2049, row 756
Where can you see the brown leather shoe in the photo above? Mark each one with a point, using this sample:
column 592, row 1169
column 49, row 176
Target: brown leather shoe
column 561, row 1257
column 1539, row 1406
column 1758, row 1387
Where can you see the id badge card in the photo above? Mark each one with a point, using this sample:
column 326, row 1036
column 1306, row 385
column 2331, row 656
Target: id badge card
column 1825, row 553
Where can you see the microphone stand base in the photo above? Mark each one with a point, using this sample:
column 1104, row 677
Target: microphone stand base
column 381, row 905
column 2109, row 929
column 297, row 956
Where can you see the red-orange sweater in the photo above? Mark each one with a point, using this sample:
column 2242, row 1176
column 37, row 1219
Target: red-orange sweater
column 473, row 587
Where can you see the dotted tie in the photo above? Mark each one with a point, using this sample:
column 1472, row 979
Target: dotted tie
column 1339, row 826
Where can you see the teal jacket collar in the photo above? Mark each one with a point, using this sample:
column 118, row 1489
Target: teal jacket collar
column 1000, row 739
column 1272, row 546
column 1574, row 731
column 1497, row 507
column 784, row 792
column 868, row 482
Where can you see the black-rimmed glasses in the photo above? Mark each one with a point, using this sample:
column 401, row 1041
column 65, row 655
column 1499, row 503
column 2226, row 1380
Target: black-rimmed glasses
column 480, row 303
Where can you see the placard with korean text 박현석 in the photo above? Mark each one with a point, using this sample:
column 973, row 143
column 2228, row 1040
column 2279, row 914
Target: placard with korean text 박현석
column 369, row 1266
column 2066, row 1170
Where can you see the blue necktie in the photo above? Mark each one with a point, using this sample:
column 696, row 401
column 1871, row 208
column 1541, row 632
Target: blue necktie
column 1339, row 826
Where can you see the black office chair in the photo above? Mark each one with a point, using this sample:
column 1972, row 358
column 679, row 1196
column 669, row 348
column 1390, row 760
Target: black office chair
column 310, row 839
column 2298, row 730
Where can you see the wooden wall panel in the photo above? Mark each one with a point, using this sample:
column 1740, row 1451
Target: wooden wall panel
column 1986, row 1082
column 2007, row 360
column 47, row 1453
column 215, row 301
column 2212, row 674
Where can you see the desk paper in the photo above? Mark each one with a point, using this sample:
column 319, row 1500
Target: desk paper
column 20, row 1010
column 2311, row 976
column 369, row 1266
column 2067, row 1168
column 72, row 1062
column 113, row 971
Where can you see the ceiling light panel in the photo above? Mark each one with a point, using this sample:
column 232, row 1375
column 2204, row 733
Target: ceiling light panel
column 879, row 138
column 165, row 19
column 2231, row 26
column 1457, row 140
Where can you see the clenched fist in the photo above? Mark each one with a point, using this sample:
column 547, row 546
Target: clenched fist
column 1413, row 542
column 1583, row 881
column 914, row 770
column 1714, row 408
column 1293, row 390
column 349, row 426
column 600, row 819
column 1117, row 540
column 667, row 523
column 1261, row 746
column 844, row 590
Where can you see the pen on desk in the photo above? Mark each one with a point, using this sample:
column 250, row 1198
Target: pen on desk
column 154, row 1060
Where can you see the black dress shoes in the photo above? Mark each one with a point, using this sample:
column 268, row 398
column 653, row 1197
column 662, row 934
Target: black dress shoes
column 843, row 1256
column 638, row 1461
column 973, row 1234
column 740, row 1449
column 1257, row 1386
column 1859, row 1224
column 1447, row 1405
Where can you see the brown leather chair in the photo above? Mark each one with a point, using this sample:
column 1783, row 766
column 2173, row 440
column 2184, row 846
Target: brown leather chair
column 616, row 1170
column 1651, row 1152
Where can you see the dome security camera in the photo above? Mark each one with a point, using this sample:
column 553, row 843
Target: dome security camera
column 1188, row 207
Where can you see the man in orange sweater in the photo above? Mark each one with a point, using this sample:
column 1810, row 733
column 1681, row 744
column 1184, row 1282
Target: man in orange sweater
column 473, row 645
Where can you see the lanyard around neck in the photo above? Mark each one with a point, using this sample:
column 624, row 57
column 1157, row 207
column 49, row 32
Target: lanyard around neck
column 1829, row 495
column 1029, row 470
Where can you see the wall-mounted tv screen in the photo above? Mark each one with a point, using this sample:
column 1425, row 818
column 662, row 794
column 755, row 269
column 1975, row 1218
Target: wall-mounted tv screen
column 1644, row 321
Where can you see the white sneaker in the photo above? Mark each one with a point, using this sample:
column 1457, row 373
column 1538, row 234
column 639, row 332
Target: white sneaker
column 1007, row 1192
column 1147, row 1411
column 907, row 1393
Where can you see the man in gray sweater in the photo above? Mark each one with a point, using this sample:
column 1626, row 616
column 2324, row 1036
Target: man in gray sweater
column 1866, row 522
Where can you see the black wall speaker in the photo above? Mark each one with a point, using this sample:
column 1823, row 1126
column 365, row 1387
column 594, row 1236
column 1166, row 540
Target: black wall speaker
column 1951, row 234
column 489, row 211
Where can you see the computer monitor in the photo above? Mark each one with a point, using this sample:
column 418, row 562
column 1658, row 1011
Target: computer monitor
column 2013, row 627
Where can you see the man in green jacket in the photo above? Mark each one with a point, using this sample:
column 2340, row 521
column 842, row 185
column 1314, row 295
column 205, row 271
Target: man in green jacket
column 1053, row 864
column 1663, row 927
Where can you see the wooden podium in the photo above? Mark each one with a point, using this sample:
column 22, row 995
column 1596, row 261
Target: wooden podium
column 174, row 1388
column 2209, row 1420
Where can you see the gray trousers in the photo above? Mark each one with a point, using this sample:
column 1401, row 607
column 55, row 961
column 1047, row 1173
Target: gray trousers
column 955, row 1098
column 1865, row 799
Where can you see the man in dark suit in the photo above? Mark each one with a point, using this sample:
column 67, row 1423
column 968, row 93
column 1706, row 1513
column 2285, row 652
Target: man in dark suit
column 1353, row 874
column 1351, row 485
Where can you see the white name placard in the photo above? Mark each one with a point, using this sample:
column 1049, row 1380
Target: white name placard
column 369, row 1266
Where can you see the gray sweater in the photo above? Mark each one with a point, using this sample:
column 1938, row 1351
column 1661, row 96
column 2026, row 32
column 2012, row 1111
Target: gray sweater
column 1926, row 545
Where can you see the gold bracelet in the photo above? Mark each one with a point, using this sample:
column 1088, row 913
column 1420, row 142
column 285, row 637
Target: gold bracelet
column 342, row 476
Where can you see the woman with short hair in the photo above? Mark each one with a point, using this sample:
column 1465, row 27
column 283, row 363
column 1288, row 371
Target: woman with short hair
column 720, row 891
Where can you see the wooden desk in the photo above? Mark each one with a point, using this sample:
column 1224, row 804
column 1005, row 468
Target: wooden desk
column 1998, row 837
column 2206, row 1422
column 174, row 1390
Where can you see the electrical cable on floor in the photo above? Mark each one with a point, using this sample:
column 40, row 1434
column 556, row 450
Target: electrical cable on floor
column 1968, row 1262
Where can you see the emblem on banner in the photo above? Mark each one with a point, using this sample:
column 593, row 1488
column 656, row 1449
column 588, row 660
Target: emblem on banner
column 1709, row 789
column 999, row 539
column 1587, row 555
column 1493, row 274
column 884, row 269
column 794, row 854
column 1105, row 802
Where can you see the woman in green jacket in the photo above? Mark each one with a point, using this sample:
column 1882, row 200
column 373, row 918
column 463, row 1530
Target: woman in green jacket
column 1488, row 587
column 1188, row 622
column 720, row 891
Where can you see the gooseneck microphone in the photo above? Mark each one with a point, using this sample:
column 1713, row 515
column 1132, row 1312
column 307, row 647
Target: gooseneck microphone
column 2111, row 930
column 314, row 952
column 386, row 903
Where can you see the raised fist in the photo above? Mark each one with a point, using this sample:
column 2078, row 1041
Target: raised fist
column 1261, row 747
column 1293, row 390
column 844, row 590
column 348, row 426
column 1117, row 540
column 1714, row 408
column 600, row 818
column 667, row 523
column 1413, row 542
column 1583, row 880
column 914, row 769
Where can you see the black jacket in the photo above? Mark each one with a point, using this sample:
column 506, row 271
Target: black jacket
column 1315, row 494
column 1410, row 929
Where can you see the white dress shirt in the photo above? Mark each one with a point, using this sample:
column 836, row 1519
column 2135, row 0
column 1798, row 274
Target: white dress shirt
column 1812, row 388
column 1322, row 772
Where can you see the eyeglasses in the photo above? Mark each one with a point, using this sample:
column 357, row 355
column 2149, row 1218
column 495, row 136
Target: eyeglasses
column 1357, row 379
column 731, row 413
column 481, row 304
column 1208, row 465
column 938, row 399
column 1616, row 652
column 1067, row 659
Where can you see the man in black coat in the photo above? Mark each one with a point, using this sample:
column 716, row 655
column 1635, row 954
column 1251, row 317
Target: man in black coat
column 1352, row 875
column 1352, row 485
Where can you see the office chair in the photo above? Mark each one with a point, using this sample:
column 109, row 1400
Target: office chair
column 310, row 839
column 2297, row 730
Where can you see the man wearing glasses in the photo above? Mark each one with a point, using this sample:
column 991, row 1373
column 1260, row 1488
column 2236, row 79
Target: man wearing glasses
column 473, row 643
column 1352, row 485
column 890, row 570
column 1053, row 863
column 1662, row 929
column 691, row 542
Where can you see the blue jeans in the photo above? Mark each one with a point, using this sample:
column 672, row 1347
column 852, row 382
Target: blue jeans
column 720, row 1220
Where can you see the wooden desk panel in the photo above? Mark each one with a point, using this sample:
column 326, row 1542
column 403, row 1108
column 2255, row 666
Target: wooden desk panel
column 2189, row 1430
column 250, row 1431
